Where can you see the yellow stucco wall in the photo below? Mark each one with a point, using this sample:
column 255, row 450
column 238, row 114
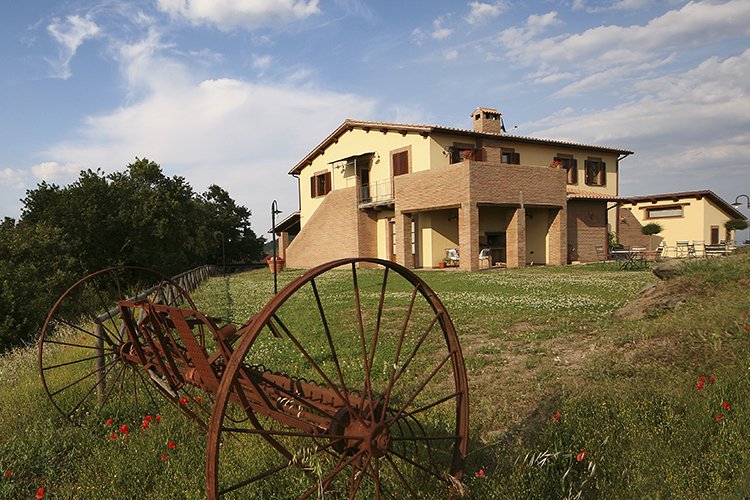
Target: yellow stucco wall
column 437, row 234
column 694, row 225
column 536, row 235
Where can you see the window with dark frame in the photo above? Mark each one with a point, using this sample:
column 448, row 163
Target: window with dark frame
column 460, row 152
column 400, row 162
column 320, row 184
column 570, row 165
column 510, row 156
column 595, row 172
column 664, row 212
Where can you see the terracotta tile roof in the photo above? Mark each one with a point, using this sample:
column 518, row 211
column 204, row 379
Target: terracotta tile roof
column 705, row 193
column 576, row 194
column 427, row 129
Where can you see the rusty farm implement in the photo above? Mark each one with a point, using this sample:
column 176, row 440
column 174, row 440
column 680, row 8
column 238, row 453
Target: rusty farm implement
column 349, row 383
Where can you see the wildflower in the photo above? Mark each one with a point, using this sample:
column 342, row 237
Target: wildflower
column 124, row 429
column 198, row 399
column 109, row 421
column 7, row 474
column 720, row 417
column 145, row 425
column 556, row 417
column 183, row 401
column 157, row 418
column 147, row 418
column 712, row 379
column 113, row 436
column 479, row 473
column 725, row 405
column 170, row 444
column 40, row 493
column 164, row 457
column 702, row 379
column 581, row 456
column 699, row 385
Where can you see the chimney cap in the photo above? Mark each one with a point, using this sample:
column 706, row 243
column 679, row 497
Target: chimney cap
column 485, row 110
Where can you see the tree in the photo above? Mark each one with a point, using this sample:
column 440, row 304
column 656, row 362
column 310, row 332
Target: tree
column 651, row 229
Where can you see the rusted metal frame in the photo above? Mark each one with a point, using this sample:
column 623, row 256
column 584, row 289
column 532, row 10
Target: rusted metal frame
column 157, row 354
column 163, row 331
column 132, row 330
column 363, row 343
column 387, row 394
column 344, row 390
column 198, row 356
column 374, row 345
column 357, row 479
column 312, row 362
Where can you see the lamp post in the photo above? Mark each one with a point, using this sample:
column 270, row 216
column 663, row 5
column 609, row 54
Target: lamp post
column 274, row 211
column 737, row 203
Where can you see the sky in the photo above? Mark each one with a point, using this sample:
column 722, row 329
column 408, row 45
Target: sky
column 236, row 92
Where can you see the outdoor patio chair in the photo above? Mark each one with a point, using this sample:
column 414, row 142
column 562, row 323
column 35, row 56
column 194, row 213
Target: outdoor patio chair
column 682, row 249
column 699, row 248
column 484, row 255
column 452, row 258
column 601, row 254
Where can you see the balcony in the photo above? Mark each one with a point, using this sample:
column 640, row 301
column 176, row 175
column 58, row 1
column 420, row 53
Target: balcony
column 376, row 194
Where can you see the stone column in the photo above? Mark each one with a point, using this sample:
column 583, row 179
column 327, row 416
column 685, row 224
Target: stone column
column 403, row 240
column 515, row 239
column 468, row 236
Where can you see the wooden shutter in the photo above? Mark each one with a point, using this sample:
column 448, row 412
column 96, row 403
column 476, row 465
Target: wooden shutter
column 480, row 154
column 327, row 183
column 313, row 191
column 516, row 159
column 587, row 172
column 400, row 163
column 573, row 172
column 601, row 174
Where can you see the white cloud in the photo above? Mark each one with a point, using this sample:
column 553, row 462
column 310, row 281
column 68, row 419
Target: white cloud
column 242, row 135
column 262, row 63
column 451, row 54
column 12, row 178
column 606, row 5
column 69, row 35
column 687, row 126
column 52, row 171
column 417, row 36
column 440, row 32
column 628, row 47
column 247, row 14
column 481, row 12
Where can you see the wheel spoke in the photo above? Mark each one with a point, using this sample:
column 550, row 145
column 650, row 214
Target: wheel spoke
column 435, row 403
column 374, row 345
column 83, row 378
column 406, row 484
column 363, row 343
column 98, row 382
column 421, row 387
column 47, row 341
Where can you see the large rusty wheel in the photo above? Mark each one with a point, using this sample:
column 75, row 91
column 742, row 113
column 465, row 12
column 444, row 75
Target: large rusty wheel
column 82, row 344
column 361, row 360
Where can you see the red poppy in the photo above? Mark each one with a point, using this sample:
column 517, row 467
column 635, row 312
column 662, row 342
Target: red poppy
column 702, row 379
column 479, row 473
column 556, row 417
column 145, row 425
column 158, row 417
column 170, row 444
column 198, row 399
column 699, row 386
column 124, row 429
column 164, row 456
column 712, row 379
column 184, row 400
column 109, row 421
column 40, row 493
column 725, row 405
column 147, row 418
column 7, row 474
column 113, row 436
column 581, row 456
column 720, row 417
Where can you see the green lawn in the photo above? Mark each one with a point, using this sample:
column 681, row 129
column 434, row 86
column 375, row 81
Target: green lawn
column 537, row 342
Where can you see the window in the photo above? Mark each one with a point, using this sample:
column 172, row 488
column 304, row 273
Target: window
column 459, row 152
column 570, row 165
column 320, row 184
column 510, row 156
column 400, row 161
column 596, row 172
column 660, row 212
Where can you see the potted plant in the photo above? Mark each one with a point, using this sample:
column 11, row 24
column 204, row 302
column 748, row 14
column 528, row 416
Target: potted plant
column 467, row 154
column 651, row 229
column 556, row 164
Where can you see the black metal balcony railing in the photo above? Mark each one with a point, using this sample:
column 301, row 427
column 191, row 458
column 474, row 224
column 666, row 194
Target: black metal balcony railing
column 376, row 193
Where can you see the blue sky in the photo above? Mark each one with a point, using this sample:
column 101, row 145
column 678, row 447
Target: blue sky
column 237, row 92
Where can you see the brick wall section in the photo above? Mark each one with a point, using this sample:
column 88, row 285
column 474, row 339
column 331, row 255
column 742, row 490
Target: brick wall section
column 587, row 228
column 629, row 231
column 558, row 237
column 331, row 233
column 403, row 240
column 515, row 239
column 468, row 229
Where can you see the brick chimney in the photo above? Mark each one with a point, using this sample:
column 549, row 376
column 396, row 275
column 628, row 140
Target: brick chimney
column 488, row 121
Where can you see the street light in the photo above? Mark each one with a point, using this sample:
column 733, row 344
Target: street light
column 737, row 203
column 274, row 211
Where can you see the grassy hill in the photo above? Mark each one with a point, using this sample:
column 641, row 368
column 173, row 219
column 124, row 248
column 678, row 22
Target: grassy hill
column 565, row 401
